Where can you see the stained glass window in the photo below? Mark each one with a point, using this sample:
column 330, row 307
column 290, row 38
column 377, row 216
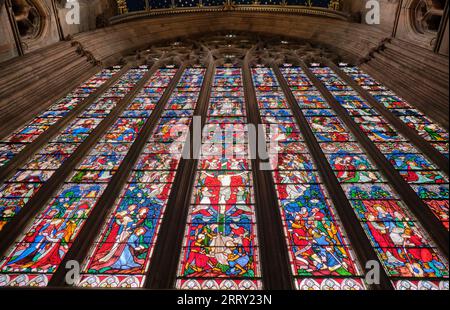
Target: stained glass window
column 213, row 2
column 36, row 255
column 402, row 246
column 243, row 1
column 121, row 255
column 220, row 248
column 271, row 2
column 321, row 256
column 28, row 179
column 412, row 117
column 413, row 165
column 117, row 161
column 18, row 140
column 314, row 3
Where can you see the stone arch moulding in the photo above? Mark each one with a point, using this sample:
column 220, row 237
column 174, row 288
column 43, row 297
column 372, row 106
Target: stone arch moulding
column 343, row 37
column 262, row 48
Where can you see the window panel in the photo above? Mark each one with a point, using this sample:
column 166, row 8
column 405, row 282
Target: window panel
column 413, row 166
column 315, row 239
column 397, row 238
column 18, row 140
column 122, row 254
column 220, row 245
column 412, row 117
column 50, row 235
column 52, row 155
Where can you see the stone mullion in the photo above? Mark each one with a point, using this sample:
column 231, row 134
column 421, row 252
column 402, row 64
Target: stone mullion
column 163, row 269
column 423, row 213
column 274, row 256
column 18, row 98
column 440, row 160
column 13, row 229
column 94, row 224
column 358, row 239
column 20, row 159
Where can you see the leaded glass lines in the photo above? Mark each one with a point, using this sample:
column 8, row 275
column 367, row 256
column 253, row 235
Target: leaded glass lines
column 220, row 247
column 17, row 191
column 11, row 145
column 413, row 166
column 398, row 239
column 37, row 253
column 320, row 254
column 122, row 253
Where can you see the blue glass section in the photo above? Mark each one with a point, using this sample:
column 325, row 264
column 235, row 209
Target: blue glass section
column 213, row 2
column 186, row 3
column 160, row 4
column 135, row 5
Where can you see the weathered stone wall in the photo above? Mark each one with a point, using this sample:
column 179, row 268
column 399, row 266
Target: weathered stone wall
column 7, row 44
column 31, row 83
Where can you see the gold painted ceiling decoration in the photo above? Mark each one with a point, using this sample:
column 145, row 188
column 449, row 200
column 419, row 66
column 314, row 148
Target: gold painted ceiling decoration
column 131, row 9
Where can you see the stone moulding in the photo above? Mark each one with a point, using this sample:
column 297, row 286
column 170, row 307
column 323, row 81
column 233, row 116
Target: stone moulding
column 83, row 52
column 288, row 9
